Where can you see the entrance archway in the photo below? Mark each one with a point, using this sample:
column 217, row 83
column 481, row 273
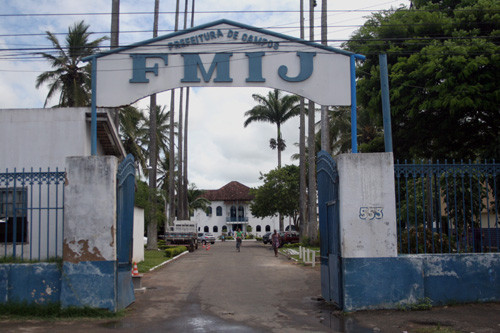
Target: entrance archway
column 224, row 54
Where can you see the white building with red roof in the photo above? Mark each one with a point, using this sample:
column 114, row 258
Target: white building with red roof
column 230, row 210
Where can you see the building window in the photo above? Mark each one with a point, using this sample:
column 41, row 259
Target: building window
column 206, row 229
column 219, row 211
column 233, row 213
column 209, row 211
column 268, row 228
column 224, row 228
column 215, row 229
column 241, row 213
column 13, row 207
column 258, row 228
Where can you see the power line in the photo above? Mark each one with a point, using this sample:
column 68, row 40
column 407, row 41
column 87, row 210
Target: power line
column 242, row 12
column 266, row 28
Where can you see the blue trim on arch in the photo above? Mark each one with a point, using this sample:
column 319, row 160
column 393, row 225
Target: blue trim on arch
column 218, row 22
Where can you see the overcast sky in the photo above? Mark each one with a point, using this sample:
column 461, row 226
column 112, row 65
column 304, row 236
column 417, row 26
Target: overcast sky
column 220, row 148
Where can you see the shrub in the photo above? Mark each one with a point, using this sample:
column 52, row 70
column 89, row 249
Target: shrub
column 172, row 251
column 430, row 238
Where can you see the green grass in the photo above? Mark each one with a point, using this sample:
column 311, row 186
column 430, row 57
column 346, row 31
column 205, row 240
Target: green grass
column 52, row 311
column 153, row 258
column 11, row 260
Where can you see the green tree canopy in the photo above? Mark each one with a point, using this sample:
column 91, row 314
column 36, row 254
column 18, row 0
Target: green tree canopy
column 444, row 74
column 278, row 195
column 68, row 76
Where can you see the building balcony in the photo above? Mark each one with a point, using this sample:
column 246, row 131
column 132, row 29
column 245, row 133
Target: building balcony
column 237, row 219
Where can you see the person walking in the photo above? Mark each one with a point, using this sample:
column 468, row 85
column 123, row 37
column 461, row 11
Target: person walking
column 239, row 236
column 275, row 242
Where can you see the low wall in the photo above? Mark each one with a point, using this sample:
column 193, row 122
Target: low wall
column 38, row 283
column 376, row 283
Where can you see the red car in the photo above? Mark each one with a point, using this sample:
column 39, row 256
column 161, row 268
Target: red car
column 289, row 237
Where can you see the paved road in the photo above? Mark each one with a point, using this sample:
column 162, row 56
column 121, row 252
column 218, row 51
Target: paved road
column 219, row 290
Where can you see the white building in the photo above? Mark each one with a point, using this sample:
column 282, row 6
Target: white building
column 35, row 141
column 230, row 210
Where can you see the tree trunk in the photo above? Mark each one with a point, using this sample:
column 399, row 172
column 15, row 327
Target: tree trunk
column 186, row 118
column 312, row 220
column 152, row 229
column 171, row 162
column 180, row 160
column 302, row 151
column 278, row 145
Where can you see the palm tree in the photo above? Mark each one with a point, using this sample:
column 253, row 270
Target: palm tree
column 274, row 109
column 195, row 199
column 133, row 134
column 162, row 131
column 68, row 77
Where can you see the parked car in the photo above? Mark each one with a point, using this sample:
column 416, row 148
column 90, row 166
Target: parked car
column 206, row 237
column 267, row 238
column 289, row 237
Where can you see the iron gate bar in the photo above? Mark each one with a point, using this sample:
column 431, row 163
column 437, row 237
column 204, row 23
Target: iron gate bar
column 459, row 211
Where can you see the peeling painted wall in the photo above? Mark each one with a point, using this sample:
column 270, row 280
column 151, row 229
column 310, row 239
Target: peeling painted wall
column 90, row 209
column 38, row 283
column 378, row 283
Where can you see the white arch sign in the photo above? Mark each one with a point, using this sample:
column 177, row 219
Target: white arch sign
column 223, row 54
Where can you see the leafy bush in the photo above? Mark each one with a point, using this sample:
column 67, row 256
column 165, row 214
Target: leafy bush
column 430, row 238
column 172, row 251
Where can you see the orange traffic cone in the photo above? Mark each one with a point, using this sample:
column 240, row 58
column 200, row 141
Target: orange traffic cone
column 135, row 271
column 208, row 247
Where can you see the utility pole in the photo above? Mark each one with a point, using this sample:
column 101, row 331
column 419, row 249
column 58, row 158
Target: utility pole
column 115, row 24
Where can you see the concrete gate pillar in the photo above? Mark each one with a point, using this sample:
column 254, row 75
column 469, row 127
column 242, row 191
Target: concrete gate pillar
column 371, row 273
column 89, row 246
column 367, row 205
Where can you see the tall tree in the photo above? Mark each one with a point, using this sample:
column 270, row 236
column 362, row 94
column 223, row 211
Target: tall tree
column 325, row 138
column 171, row 167
column 133, row 134
column 68, row 77
column 274, row 108
column 153, row 148
column 312, row 225
column 302, row 150
column 444, row 69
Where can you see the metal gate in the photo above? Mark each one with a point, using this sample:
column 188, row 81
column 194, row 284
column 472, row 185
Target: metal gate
column 328, row 204
column 124, row 230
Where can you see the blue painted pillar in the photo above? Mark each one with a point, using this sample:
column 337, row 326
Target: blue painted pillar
column 93, row 124
column 386, row 103
column 354, row 127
